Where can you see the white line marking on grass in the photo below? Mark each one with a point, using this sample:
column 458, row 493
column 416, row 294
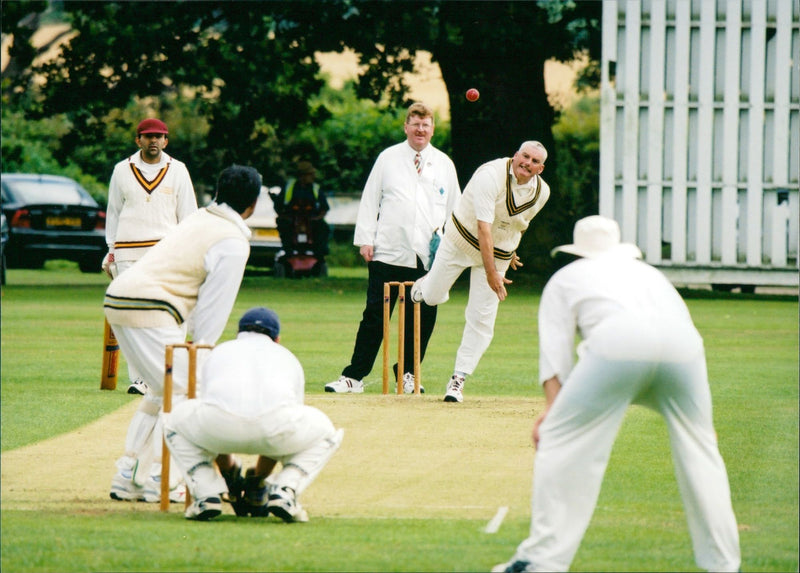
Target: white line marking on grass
column 494, row 524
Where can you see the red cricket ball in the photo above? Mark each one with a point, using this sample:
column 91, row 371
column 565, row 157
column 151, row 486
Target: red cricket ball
column 473, row 94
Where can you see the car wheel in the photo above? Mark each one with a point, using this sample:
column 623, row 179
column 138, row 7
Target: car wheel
column 90, row 265
column 279, row 270
column 30, row 263
column 321, row 269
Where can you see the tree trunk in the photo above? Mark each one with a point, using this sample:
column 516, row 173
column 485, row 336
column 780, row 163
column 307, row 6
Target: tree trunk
column 497, row 124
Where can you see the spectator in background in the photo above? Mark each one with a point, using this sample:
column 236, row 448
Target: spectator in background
column 303, row 198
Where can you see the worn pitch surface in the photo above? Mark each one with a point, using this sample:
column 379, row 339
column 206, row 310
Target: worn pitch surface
column 402, row 457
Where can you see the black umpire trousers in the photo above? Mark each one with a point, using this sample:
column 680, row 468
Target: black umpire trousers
column 370, row 331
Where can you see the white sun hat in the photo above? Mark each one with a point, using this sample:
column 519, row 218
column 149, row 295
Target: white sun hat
column 595, row 236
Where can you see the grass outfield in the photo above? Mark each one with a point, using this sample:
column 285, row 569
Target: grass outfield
column 416, row 480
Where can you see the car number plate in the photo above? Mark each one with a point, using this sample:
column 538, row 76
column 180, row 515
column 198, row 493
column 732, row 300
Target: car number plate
column 265, row 233
column 74, row 222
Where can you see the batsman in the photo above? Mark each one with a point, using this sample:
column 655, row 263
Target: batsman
column 194, row 272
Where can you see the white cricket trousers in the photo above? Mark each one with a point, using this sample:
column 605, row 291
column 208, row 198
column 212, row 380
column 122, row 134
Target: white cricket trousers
column 301, row 437
column 481, row 311
column 144, row 348
column 630, row 360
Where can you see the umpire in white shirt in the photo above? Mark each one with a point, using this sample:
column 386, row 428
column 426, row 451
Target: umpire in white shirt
column 638, row 345
column 406, row 201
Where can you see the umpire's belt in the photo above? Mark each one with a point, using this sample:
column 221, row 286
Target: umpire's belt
column 499, row 254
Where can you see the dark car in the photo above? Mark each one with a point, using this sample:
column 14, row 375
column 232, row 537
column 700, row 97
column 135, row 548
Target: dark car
column 3, row 241
column 51, row 217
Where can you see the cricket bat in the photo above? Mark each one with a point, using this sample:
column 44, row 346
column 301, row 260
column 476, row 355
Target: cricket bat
column 108, row 377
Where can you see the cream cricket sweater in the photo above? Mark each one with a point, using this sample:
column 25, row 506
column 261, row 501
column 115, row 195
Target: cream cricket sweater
column 145, row 202
column 514, row 207
column 161, row 288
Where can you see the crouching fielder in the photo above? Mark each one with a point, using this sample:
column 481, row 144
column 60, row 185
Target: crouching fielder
column 639, row 345
column 250, row 401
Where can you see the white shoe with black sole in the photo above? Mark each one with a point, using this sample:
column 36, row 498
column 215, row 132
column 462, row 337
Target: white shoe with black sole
column 283, row 504
column 138, row 386
column 345, row 385
column 455, row 389
column 408, row 384
column 204, row 509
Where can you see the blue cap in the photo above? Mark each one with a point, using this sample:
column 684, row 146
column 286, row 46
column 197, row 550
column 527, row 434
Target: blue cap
column 261, row 320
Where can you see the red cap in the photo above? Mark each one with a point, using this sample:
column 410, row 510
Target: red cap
column 152, row 125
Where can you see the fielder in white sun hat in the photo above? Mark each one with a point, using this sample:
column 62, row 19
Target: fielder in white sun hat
column 596, row 236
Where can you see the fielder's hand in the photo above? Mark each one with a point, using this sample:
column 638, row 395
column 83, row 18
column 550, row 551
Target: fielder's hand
column 535, row 433
column 515, row 261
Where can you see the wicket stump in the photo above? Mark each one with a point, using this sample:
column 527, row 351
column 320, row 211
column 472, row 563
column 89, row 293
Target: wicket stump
column 191, row 392
column 401, row 331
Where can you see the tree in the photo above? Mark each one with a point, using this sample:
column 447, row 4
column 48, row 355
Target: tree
column 20, row 20
column 499, row 47
column 251, row 67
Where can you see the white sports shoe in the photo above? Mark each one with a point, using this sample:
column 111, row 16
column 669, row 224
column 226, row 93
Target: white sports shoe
column 137, row 386
column 283, row 503
column 345, row 385
column 123, row 488
column 408, row 384
column 152, row 491
column 454, row 389
column 204, row 509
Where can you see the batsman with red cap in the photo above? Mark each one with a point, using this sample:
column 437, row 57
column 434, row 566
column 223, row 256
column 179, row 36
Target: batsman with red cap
column 149, row 194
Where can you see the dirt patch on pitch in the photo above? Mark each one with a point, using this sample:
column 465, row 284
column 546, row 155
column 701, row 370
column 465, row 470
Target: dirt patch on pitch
column 402, row 456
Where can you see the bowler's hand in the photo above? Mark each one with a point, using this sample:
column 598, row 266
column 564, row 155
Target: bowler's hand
column 366, row 252
column 497, row 283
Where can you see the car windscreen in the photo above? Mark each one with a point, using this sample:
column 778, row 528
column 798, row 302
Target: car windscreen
column 37, row 192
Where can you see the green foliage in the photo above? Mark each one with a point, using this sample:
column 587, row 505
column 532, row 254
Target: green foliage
column 346, row 135
column 577, row 136
column 251, row 68
column 28, row 146
column 238, row 82
column 344, row 254
column 573, row 172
